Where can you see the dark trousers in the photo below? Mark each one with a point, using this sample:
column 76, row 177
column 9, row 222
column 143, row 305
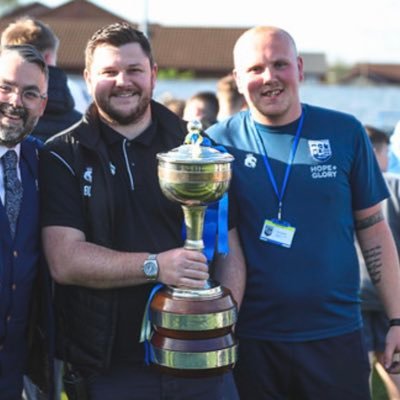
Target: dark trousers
column 330, row 369
column 143, row 383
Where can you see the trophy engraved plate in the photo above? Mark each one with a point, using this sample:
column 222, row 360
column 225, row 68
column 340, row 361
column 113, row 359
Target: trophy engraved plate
column 193, row 327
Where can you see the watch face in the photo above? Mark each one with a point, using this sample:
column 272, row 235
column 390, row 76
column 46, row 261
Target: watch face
column 150, row 269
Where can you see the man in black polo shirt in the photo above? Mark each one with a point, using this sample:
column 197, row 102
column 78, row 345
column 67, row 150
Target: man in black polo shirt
column 104, row 215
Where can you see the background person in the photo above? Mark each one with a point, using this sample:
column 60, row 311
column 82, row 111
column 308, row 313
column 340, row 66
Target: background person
column 375, row 321
column 23, row 88
column 177, row 106
column 394, row 150
column 310, row 173
column 105, row 221
column 230, row 100
column 58, row 115
column 203, row 107
column 60, row 110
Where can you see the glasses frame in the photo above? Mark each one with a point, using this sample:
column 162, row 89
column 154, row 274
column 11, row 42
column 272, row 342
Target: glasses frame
column 8, row 89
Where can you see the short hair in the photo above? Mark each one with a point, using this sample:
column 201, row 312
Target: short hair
column 210, row 101
column 29, row 54
column 117, row 35
column 30, row 31
column 210, row 108
column 377, row 136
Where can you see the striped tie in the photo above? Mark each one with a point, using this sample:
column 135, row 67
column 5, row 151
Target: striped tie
column 12, row 188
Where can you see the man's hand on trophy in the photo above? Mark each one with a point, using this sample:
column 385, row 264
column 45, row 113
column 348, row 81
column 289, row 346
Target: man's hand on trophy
column 183, row 268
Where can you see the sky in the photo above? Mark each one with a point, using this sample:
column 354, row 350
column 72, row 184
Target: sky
column 347, row 31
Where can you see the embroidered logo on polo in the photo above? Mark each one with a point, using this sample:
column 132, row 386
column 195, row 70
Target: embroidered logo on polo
column 88, row 174
column 88, row 177
column 250, row 161
column 320, row 150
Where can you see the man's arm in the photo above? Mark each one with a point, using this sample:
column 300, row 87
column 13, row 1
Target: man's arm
column 74, row 261
column 230, row 270
column 381, row 258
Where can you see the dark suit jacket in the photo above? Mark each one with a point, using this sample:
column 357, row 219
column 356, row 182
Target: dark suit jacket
column 24, row 282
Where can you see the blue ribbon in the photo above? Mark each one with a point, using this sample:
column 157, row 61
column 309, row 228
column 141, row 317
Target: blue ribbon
column 223, row 247
column 210, row 230
column 216, row 225
column 216, row 219
column 146, row 330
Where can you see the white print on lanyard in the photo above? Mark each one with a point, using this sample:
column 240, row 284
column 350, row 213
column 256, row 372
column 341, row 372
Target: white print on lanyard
column 277, row 232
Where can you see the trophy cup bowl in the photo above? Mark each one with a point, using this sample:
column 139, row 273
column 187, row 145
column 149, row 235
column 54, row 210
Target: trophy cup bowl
column 194, row 176
column 193, row 327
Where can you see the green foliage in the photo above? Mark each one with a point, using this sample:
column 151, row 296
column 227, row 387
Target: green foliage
column 378, row 388
column 172, row 73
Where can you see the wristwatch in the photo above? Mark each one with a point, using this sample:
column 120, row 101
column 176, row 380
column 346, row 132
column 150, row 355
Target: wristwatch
column 150, row 267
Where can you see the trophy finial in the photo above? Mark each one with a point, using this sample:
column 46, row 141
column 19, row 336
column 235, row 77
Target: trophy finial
column 194, row 135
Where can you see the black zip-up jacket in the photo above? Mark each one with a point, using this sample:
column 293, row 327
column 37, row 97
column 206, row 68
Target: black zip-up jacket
column 86, row 317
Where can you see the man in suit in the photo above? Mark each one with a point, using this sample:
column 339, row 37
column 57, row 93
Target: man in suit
column 23, row 94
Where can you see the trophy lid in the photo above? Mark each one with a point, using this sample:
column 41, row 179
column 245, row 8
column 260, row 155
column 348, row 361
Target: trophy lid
column 193, row 152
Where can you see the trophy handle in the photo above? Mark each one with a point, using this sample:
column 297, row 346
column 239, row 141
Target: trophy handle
column 194, row 222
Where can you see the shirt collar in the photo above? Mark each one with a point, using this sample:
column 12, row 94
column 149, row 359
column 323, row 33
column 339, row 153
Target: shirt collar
column 111, row 136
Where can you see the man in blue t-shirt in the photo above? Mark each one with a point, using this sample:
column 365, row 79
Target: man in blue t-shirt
column 306, row 179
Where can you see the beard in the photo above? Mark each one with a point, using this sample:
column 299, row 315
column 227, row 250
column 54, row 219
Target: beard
column 11, row 135
column 115, row 116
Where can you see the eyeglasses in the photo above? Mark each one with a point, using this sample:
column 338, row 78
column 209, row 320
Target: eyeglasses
column 30, row 98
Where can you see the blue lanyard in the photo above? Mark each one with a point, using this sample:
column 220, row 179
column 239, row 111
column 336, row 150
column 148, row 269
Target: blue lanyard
column 292, row 154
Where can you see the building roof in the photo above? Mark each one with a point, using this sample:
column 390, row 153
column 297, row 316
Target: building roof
column 33, row 9
column 373, row 73
column 207, row 51
column 74, row 35
column 81, row 9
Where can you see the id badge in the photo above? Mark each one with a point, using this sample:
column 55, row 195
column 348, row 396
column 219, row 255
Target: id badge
column 277, row 232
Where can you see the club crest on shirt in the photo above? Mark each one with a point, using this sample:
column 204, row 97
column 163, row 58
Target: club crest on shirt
column 320, row 150
column 250, row 161
column 87, row 175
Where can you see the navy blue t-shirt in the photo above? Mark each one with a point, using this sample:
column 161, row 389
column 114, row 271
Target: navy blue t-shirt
column 311, row 290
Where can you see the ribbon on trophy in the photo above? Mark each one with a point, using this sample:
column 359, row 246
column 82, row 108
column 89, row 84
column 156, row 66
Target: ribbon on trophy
column 146, row 330
column 216, row 221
